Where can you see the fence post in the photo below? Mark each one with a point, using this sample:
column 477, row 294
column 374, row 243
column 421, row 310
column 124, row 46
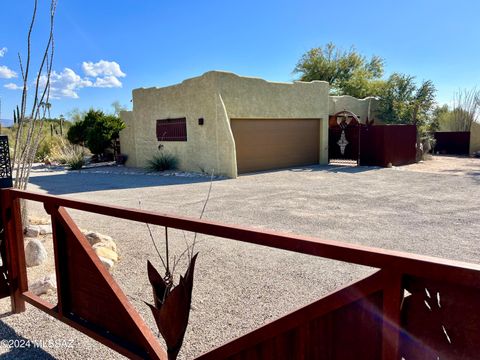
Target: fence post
column 11, row 232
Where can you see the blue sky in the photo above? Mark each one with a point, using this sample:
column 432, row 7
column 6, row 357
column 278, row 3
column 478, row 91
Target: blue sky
column 104, row 49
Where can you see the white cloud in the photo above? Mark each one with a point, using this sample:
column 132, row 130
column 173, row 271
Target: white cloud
column 6, row 73
column 12, row 86
column 108, row 82
column 102, row 68
column 3, row 51
column 66, row 84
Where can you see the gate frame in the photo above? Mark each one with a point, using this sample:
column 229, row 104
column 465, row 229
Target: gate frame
column 357, row 127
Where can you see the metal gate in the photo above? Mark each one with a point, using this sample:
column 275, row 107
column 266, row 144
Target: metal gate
column 344, row 137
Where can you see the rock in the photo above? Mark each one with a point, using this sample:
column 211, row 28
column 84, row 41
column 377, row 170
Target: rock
column 95, row 237
column 45, row 229
column 32, row 231
column 43, row 286
column 109, row 244
column 106, row 262
column 106, row 253
column 35, row 253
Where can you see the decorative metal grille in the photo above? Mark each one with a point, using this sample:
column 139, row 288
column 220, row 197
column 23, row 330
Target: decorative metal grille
column 172, row 129
column 5, row 166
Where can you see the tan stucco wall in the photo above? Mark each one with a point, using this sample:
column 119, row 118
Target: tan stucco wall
column 127, row 138
column 359, row 107
column 217, row 97
column 475, row 138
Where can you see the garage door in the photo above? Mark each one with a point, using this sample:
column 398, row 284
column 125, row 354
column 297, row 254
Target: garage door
column 264, row 144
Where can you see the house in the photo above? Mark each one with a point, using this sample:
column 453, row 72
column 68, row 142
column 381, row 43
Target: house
column 232, row 124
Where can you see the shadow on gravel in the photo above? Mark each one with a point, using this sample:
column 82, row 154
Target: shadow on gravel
column 326, row 168
column 19, row 347
column 348, row 169
column 86, row 182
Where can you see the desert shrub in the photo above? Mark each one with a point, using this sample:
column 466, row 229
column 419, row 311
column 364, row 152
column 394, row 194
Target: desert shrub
column 76, row 161
column 45, row 147
column 69, row 154
column 162, row 161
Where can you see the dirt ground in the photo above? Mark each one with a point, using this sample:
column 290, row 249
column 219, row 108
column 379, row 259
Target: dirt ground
column 452, row 165
column 431, row 208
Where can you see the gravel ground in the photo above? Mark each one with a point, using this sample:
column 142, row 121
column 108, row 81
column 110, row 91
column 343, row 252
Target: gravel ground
column 239, row 286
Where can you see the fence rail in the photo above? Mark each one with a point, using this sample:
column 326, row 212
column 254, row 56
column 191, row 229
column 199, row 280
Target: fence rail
column 375, row 318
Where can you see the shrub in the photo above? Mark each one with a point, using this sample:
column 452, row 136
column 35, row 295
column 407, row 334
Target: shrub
column 97, row 131
column 46, row 146
column 76, row 162
column 162, row 161
column 68, row 154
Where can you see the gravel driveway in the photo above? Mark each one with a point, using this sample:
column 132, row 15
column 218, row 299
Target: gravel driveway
column 239, row 286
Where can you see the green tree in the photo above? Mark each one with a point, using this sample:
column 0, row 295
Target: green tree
column 403, row 102
column 97, row 131
column 348, row 72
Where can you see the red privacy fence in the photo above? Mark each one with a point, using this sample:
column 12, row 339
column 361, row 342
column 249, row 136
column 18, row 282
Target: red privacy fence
column 452, row 142
column 384, row 144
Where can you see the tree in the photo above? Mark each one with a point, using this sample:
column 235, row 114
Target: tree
column 117, row 108
column 97, row 131
column 348, row 72
column 403, row 102
column 466, row 108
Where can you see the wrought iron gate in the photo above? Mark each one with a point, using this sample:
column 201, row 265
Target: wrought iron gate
column 344, row 137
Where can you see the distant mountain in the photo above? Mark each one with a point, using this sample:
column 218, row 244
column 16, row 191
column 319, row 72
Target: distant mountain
column 6, row 122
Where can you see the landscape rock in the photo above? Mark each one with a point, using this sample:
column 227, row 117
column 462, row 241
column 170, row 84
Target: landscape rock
column 45, row 229
column 32, row 231
column 109, row 244
column 43, row 286
column 106, row 262
column 35, row 230
column 35, row 253
column 106, row 253
column 95, row 237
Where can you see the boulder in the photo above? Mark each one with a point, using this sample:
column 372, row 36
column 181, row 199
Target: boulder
column 109, row 244
column 35, row 253
column 32, row 231
column 95, row 237
column 106, row 262
column 106, row 253
column 45, row 229
column 43, row 286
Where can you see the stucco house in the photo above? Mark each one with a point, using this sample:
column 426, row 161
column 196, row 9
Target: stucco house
column 231, row 124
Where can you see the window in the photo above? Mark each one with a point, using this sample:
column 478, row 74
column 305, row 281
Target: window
column 172, row 129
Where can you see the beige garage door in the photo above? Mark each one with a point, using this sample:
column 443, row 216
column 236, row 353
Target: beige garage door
column 264, row 144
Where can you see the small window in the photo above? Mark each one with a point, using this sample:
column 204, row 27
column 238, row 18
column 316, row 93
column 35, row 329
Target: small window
column 172, row 129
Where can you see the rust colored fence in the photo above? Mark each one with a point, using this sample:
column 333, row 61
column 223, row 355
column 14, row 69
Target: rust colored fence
column 415, row 307
column 384, row 144
column 452, row 142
